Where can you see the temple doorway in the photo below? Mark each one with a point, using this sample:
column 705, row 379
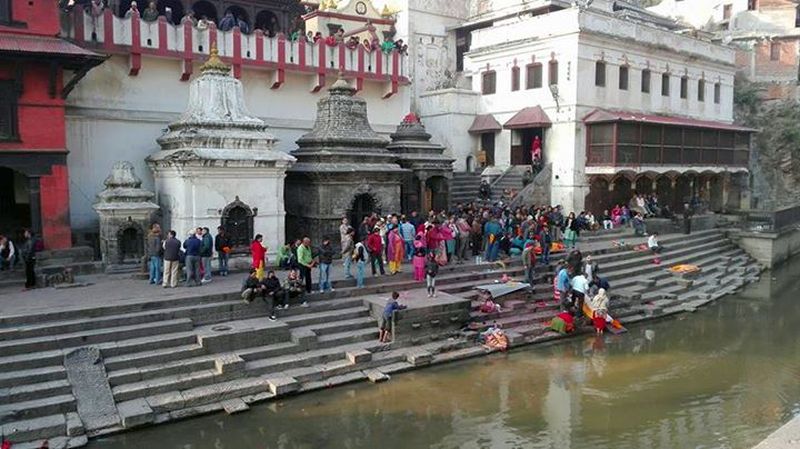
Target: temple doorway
column 15, row 203
column 436, row 193
column 130, row 242
column 237, row 220
column 522, row 144
column 362, row 206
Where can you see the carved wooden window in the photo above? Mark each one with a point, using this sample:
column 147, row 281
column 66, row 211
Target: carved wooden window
column 533, row 78
column 8, row 110
column 489, row 82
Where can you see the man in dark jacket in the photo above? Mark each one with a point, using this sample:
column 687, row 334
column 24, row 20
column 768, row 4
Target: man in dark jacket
column 325, row 255
column 28, row 252
column 172, row 260
column 193, row 246
column 222, row 244
column 272, row 294
column 206, row 251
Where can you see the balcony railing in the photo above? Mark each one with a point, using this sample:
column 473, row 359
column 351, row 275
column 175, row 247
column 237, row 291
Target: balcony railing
column 185, row 42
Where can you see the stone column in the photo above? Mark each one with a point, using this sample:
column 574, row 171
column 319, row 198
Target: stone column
column 423, row 198
column 34, row 193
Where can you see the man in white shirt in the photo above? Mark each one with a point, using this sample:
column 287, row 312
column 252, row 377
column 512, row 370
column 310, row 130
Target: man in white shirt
column 652, row 243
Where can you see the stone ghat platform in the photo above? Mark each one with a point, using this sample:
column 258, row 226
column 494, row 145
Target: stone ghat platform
column 164, row 356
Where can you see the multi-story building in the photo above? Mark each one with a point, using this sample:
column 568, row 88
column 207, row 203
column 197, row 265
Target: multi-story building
column 620, row 100
column 37, row 72
column 765, row 34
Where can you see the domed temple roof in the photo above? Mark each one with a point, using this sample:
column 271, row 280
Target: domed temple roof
column 216, row 124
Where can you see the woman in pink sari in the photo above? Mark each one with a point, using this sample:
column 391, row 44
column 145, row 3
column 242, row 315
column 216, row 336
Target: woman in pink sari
column 395, row 251
column 419, row 257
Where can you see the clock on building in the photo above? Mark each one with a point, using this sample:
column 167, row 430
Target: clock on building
column 361, row 8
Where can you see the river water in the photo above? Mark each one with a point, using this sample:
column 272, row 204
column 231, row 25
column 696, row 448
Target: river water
column 723, row 377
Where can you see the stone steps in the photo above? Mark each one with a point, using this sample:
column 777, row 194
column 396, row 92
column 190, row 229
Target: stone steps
column 91, row 337
column 45, row 427
column 32, row 391
column 37, row 408
column 23, row 377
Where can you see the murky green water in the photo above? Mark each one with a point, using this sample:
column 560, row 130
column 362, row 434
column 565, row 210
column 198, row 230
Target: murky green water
column 724, row 377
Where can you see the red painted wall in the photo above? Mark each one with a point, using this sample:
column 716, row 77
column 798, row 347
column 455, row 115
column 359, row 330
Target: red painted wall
column 54, row 191
column 33, row 17
column 40, row 118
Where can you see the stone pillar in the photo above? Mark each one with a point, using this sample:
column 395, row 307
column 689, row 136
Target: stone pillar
column 726, row 180
column 35, row 195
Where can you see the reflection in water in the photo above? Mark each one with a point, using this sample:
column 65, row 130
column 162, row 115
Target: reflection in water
column 723, row 377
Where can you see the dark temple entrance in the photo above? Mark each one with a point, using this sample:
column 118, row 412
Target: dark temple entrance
column 522, row 144
column 237, row 220
column 363, row 205
column 15, row 203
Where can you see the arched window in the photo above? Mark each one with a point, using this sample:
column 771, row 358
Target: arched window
column 176, row 10
column 238, row 12
column 205, row 9
column 267, row 22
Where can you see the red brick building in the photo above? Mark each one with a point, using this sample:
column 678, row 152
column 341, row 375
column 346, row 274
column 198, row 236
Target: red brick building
column 37, row 72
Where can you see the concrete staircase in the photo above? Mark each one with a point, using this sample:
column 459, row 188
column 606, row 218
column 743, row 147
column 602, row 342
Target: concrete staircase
column 511, row 179
column 168, row 359
column 464, row 187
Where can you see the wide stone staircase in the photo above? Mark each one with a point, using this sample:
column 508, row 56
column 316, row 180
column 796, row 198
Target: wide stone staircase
column 176, row 357
column 640, row 289
column 464, row 187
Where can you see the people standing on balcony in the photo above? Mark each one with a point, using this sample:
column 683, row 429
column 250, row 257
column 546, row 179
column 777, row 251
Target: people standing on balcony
column 150, row 14
column 388, row 45
column 204, row 23
column 339, row 36
column 131, row 10
column 190, row 18
column 228, row 22
column 244, row 28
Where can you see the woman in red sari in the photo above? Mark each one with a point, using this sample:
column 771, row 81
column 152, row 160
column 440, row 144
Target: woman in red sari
column 258, row 252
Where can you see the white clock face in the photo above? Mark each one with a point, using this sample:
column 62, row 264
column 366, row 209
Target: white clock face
column 361, row 8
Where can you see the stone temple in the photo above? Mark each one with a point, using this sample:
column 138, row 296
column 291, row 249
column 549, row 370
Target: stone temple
column 343, row 169
column 218, row 165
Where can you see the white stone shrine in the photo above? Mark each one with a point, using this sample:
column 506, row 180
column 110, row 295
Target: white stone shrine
column 218, row 165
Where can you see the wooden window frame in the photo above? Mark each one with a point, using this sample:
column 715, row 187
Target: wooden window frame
column 665, row 84
column 684, row 87
column 552, row 72
column 600, row 81
column 515, row 78
column 701, row 90
column 484, row 76
column 9, row 100
column 530, row 80
column 775, row 51
column 717, row 93
column 648, row 83
column 626, row 78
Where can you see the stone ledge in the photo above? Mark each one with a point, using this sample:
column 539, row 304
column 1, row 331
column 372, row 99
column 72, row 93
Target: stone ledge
column 235, row 405
column 359, row 356
column 134, row 413
column 229, row 363
column 282, row 385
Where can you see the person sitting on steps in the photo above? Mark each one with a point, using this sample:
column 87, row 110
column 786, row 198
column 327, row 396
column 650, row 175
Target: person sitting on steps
column 294, row 287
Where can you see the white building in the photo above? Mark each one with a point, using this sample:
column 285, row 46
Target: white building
column 117, row 112
column 621, row 102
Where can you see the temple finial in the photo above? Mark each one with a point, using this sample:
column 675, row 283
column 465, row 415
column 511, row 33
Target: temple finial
column 214, row 63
